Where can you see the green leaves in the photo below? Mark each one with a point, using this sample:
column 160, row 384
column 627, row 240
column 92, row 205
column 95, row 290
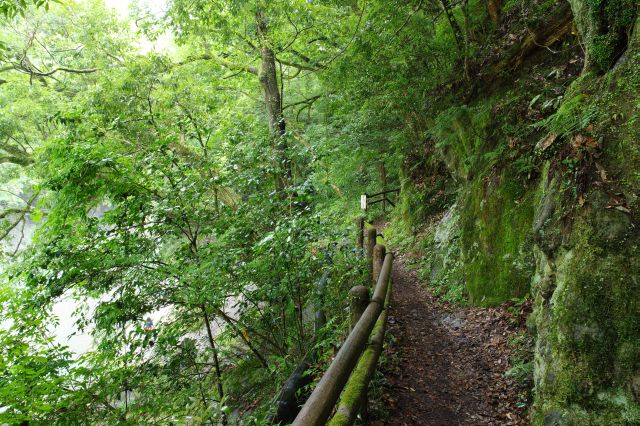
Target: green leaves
column 33, row 369
column 161, row 197
column 12, row 8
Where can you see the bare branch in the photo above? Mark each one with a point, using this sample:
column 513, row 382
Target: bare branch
column 297, row 34
column 306, row 101
column 299, row 66
column 22, row 213
column 13, row 159
column 225, row 63
column 64, row 69
column 13, row 210
column 413, row 12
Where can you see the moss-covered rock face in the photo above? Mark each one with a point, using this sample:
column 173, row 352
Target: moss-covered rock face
column 461, row 138
column 444, row 264
column 496, row 238
column 587, row 281
column 570, row 236
column 481, row 247
column 587, row 318
column 605, row 26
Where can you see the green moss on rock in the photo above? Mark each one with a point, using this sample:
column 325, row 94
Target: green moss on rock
column 587, row 286
column 461, row 133
column 604, row 26
column 497, row 211
column 588, row 343
column 574, row 236
column 442, row 266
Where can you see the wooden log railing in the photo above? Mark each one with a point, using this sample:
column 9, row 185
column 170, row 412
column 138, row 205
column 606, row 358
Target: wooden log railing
column 367, row 200
column 355, row 362
column 354, row 397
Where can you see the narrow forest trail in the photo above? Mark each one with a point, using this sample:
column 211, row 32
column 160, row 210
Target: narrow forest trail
column 449, row 361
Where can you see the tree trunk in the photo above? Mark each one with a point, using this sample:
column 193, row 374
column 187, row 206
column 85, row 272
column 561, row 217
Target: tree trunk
column 216, row 361
column 273, row 100
column 244, row 338
column 383, row 181
column 493, row 8
column 455, row 27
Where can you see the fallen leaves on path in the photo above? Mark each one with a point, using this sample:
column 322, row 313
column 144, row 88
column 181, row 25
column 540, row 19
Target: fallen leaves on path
column 452, row 360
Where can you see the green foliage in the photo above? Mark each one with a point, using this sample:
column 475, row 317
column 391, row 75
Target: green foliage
column 158, row 197
column 11, row 8
column 521, row 345
column 574, row 115
column 155, row 186
column 38, row 77
column 521, row 371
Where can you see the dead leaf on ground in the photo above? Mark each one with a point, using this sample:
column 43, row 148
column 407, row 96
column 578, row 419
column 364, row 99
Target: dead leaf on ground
column 581, row 141
column 546, row 142
column 602, row 172
column 623, row 209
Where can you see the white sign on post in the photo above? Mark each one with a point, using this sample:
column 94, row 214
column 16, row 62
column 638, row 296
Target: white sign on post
column 363, row 201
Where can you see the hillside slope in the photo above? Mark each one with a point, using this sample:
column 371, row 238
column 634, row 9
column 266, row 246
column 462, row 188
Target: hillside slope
column 527, row 183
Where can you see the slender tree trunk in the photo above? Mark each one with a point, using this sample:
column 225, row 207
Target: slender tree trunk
column 383, row 181
column 244, row 338
column 455, row 27
column 216, row 361
column 467, row 27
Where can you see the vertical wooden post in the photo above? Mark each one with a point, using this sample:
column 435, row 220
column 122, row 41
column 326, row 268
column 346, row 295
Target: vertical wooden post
column 370, row 242
column 360, row 232
column 358, row 302
column 379, row 252
column 383, row 179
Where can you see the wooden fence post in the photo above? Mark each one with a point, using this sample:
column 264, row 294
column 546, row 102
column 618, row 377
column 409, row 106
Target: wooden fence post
column 360, row 232
column 358, row 302
column 370, row 242
column 379, row 252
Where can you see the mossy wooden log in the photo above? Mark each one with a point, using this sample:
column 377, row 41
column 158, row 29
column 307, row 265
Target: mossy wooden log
column 318, row 407
column 379, row 252
column 370, row 243
column 354, row 395
column 558, row 23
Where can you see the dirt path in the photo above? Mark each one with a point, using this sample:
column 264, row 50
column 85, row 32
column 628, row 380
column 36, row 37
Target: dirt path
column 450, row 361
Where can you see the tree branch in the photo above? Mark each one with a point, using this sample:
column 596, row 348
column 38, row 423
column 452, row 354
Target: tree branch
column 23, row 212
column 299, row 66
column 227, row 64
column 64, row 69
column 13, row 159
column 413, row 12
column 307, row 102
column 13, row 210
